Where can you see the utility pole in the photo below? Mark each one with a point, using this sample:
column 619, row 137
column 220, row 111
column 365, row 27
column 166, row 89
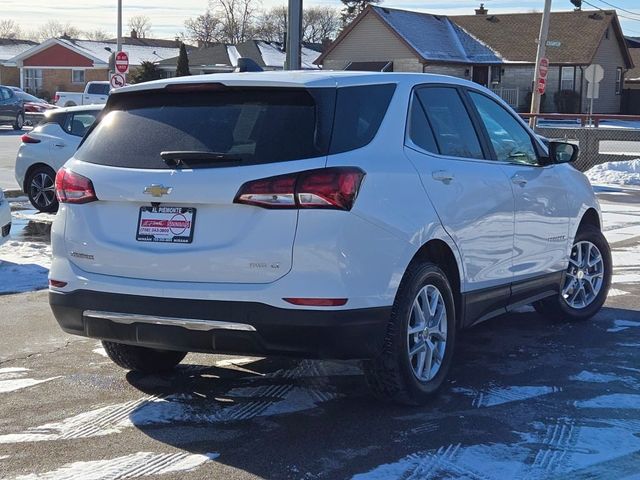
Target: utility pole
column 542, row 46
column 294, row 34
column 119, row 40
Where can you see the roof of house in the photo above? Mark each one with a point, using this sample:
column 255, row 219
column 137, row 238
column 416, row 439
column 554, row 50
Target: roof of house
column 265, row 54
column 513, row 36
column 149, row 42
column 10, row 47
column 445, row 41
column 502, row 38
column 100, row 51
column 633, row 75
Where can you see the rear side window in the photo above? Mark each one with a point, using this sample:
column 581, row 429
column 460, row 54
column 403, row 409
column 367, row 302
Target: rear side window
column 253, row 125
column 454, row 133
column 99, row 89
column 359, row 112
column 420, row 131
column 4, row 94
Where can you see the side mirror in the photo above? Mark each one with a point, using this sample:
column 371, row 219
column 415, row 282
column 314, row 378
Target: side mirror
column 562, row 152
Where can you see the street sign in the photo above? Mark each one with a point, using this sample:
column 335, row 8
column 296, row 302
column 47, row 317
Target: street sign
column 593, row 75
column 542, row 84
column 553, row 43
column 122, row 62
column 116, row 80
column 543, row 68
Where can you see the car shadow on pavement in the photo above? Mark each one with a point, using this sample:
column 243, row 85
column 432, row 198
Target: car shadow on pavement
column 512, row 378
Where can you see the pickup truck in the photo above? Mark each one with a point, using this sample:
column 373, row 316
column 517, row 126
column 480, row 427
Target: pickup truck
column 94, row 93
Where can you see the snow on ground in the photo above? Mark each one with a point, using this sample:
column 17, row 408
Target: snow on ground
column 24, row 266
column 11, row 379
column 615, row 173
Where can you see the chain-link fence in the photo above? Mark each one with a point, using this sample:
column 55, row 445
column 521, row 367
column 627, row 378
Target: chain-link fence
column 597, row 145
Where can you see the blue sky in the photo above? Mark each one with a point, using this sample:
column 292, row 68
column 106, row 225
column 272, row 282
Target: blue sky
column 168, row 16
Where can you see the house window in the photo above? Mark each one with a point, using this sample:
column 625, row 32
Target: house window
column 77, row 76
column 618, row 81
column 567, row 78
column 33, row 80
column 496, row 74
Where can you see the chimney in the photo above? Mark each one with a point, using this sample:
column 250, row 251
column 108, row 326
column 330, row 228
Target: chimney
column 134, row 34
column 481, row 10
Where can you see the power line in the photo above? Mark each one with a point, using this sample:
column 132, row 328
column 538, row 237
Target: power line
column 618, row 8
column 621, row 16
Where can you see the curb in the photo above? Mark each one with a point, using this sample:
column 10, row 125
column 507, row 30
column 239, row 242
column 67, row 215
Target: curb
column 13, row 193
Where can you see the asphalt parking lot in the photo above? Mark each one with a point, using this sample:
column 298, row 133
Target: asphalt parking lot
column 526, row 398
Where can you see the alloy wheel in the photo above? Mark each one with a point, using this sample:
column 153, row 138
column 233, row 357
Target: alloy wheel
column 42, row 190
column 584, row 276
column 427, row 333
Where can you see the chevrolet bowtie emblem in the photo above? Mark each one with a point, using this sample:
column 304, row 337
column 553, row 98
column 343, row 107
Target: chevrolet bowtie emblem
column 157, row 190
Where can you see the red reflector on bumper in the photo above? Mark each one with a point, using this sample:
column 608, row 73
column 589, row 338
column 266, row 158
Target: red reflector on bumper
column 57, row 283
column 317, row 302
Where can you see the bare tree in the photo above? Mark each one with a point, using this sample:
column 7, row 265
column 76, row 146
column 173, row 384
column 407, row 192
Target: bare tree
column 9, row 29
column 204, row 29
column 352, row 8
column 141, row 24
column 236, row 17
column 97, row 34
column 319, row 23
column 272, row 25
column 54, row 28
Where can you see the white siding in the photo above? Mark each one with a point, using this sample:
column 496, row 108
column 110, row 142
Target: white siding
column 372, row 41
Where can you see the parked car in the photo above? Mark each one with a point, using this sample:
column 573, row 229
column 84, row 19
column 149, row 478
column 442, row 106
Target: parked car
column 318, row 214
column 33, row 104
column 11, row 108
column 94, row 93
column 5, row 218
column 46, row 148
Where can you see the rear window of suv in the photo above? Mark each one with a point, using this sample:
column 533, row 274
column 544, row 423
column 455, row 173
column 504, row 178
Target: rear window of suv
column 255, row 125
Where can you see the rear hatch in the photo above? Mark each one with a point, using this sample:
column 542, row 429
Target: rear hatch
column 172, row 216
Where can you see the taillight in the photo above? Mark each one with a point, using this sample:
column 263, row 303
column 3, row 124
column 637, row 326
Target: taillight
column 333, row 188
column 72, row 187
column 56, row 97
column 28, row 139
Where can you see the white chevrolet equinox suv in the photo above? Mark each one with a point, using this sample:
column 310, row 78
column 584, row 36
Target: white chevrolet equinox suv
column 339, row 215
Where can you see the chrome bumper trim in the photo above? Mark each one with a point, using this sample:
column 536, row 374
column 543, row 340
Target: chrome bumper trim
column 188, row 323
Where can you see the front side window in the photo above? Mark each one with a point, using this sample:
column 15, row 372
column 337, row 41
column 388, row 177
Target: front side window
column 567, row 78
column 509, row 138
column 4, row 93
column 77, row 76
column 454, row 133
column 78, row 123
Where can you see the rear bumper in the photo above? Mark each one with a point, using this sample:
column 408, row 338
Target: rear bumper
column 221, row 326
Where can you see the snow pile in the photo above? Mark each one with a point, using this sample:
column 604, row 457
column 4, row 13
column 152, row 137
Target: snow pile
column 616, row 173
column 24, row 266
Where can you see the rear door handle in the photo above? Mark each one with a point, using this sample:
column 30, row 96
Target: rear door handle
column 59, row 145
column 443, row 176
column 518, row 180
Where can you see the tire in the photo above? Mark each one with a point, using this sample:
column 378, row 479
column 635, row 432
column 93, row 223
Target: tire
column 70, row 104
column 40, row 188
column 142, row 359
column 559, row 308
column 19, row 123
column 394, row 375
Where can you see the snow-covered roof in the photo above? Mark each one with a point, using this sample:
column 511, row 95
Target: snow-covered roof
column 137, row 53
column 445, row 40
column 274, row 57
column 9, row 47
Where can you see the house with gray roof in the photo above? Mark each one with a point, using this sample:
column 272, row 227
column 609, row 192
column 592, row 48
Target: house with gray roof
column 497, row 51
column 9, row 48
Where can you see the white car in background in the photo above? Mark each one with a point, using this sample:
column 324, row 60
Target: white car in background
column 46, row 148
column 5, row 218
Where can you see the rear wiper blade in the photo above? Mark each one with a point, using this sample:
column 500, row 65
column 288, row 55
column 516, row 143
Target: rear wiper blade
column 195, row 157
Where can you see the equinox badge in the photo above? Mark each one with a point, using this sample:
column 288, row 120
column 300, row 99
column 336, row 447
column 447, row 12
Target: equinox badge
column 156, row 190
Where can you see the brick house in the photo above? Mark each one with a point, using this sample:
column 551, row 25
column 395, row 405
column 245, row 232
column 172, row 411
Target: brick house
column 65, row 64
column 9, row 48
column 497, row 51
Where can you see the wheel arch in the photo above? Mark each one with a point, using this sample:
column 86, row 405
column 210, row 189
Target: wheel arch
column 31, row 168
column 442, row 254
column 590, row 217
